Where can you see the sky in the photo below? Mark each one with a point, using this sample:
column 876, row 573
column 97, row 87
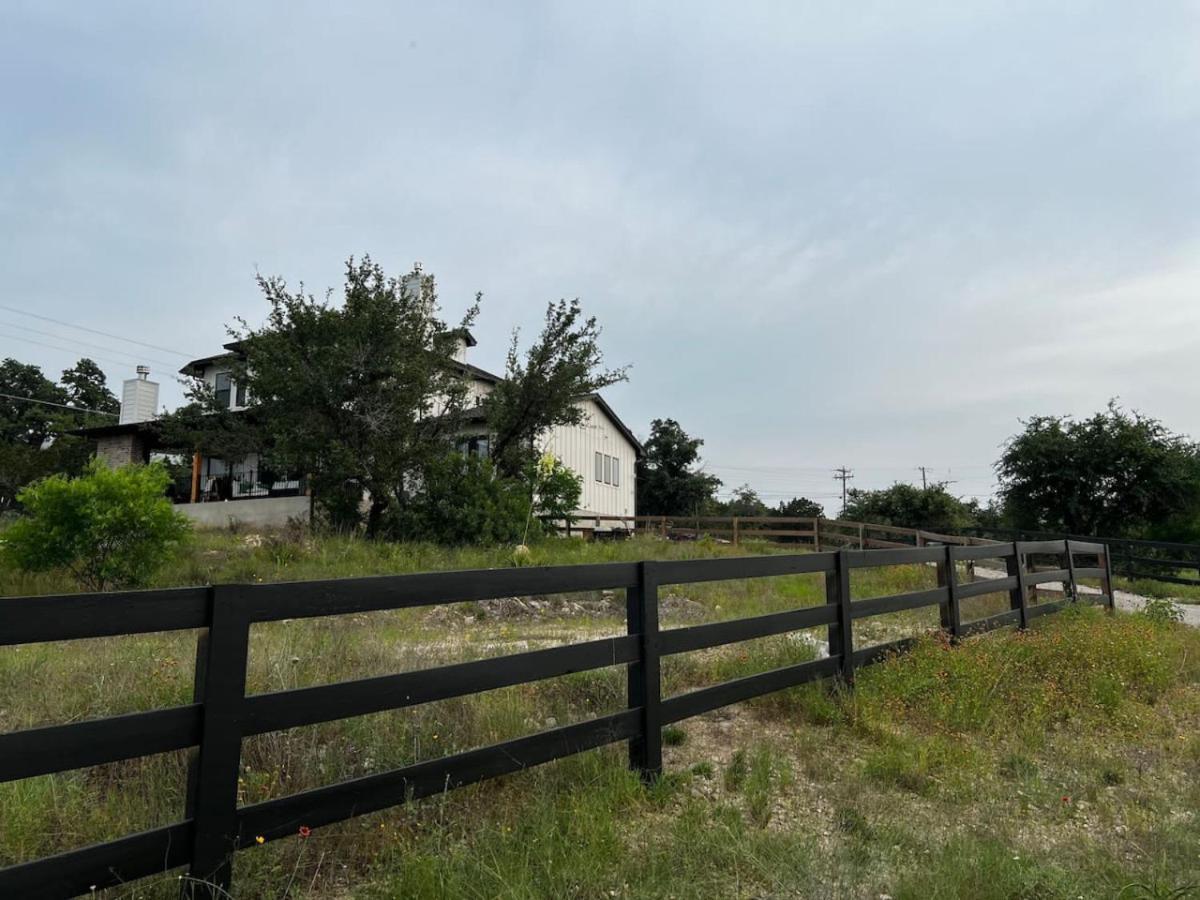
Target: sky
column 871, row 235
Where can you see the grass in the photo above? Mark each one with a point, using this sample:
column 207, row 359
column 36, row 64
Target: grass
column 1060, row 762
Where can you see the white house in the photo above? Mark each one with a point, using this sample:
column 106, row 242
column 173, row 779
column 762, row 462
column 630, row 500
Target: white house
column 600, row 449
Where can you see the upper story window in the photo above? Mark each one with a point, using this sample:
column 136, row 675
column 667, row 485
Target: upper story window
column 616, row 473
column 241, row 394
column 222, row 388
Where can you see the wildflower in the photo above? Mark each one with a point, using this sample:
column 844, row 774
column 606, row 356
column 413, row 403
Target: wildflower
column 305, row 831
column 1066, row 799
column 259, row 839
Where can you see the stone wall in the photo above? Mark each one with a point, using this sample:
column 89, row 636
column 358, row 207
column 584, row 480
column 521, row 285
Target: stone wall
column 121, row 449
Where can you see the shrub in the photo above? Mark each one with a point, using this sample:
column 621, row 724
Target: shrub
column 463, row 500
column 109, row 528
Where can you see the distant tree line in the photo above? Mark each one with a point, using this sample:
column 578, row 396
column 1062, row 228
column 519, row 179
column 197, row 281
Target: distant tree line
column 1117, row 473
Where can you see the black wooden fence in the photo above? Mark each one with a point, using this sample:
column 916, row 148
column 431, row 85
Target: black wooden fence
column 213, row 826
column 1168, row 561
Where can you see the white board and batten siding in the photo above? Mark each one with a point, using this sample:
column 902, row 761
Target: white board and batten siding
column 577, row 447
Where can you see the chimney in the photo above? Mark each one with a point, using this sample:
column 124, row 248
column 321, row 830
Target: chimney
column 139, row 398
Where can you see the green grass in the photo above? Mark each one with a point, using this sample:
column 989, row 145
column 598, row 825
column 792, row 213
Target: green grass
column 1061, row 762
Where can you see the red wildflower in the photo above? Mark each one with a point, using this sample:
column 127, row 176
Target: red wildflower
column 305, row 831
column 1066, row 799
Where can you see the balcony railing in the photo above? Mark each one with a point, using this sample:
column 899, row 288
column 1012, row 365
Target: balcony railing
column 246, row 485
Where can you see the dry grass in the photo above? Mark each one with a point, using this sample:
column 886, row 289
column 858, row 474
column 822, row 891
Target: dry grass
column 942, row 775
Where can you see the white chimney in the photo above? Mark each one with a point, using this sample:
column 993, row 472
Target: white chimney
column 139, row 398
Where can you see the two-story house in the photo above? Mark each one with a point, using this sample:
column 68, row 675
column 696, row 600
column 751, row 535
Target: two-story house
column 600, row 449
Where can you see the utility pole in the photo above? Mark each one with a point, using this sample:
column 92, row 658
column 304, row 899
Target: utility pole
column 843, row 475
column 924, row 486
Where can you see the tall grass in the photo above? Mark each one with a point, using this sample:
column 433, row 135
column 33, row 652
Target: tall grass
column 938, row 776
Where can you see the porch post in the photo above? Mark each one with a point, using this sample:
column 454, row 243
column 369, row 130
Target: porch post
column 195, row 477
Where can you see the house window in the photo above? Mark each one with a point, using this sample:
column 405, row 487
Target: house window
column 222, row 389
column 608, row 469
column 599, row 467
column 616, row 472
column 474, row 446
column 241, row 393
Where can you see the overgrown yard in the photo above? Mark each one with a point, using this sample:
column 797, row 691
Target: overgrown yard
column 1062, row 762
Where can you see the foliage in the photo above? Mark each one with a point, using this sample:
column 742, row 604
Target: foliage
column 1115, row 474
column 555, row 488
column 908, row 506
column 744, row 501
column 798, row 508
column 462, row 500
column 34, row 436
column 203, row 425
column 668, row 483
column 361, row 397
column 108, row 527
column 541, row 388
column 1086, row 667
column 1162, row 611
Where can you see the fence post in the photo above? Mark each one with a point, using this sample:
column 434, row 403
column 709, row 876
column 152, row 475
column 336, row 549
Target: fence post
column 735, row 531
column 861, row 534
column 816, row 535
column 213, row 801
column 1017, row 598
column 841, row 632
column 947, row 577
column 645, row 685
column 1108, row 579
column 1073, row 590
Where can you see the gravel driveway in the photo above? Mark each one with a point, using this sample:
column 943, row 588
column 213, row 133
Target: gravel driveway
column 1125, row 600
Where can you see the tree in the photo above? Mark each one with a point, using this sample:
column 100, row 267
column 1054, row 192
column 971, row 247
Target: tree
column 798, row 508
column 744, row 502
column 908, row 506
column 362, row 396
column 35, row 423
column 541, row 389
column 86, row 387
column 1115, row 474
column 668, row 484
column 108, row 528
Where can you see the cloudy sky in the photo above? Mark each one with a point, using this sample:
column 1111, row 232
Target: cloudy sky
column 820, row 237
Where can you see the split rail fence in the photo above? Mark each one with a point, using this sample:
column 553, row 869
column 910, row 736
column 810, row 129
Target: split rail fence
column 213, row 827
column 819, row 533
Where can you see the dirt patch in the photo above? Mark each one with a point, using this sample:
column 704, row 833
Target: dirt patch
column 603, row 605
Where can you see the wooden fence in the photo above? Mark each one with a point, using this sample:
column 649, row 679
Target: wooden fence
column 221, row 715
column 815, row 532
column 1153, row 560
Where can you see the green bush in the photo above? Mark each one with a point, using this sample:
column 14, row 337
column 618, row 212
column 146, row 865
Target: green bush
column 463, row 500
column 109, row 528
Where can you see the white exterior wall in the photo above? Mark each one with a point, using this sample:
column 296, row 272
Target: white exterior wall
column 210, row 379
column 577, row 446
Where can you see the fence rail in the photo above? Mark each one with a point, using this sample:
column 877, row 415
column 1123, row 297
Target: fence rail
column 1165, row 561
column 221, row 715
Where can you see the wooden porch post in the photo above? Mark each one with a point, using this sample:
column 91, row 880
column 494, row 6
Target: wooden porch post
column 195, row 477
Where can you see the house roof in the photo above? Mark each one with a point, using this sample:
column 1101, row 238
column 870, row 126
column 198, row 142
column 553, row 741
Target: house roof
column 234, row 349
column 638, row 449
column 99, row 431
column 478, row 413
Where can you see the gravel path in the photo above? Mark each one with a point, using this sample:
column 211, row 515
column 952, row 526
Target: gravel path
column 1125, row 600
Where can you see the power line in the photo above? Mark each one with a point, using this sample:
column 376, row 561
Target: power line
column 106, row 334
column 83, row 343
column 87, row 409
column 108, row 359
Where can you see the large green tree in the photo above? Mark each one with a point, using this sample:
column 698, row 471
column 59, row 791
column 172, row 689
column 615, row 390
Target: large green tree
column 542, row 386
column 360, row 395
column 1117, row 473
column 669, row 482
